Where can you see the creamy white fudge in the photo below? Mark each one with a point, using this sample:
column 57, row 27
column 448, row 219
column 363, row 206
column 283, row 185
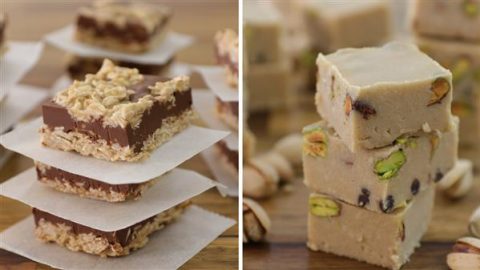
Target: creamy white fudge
column 386, row 240
column 262, row 32
column 334, row 24
column 381, row 179
column 453, row 19
column 267, row 86
column 372, row 96
column 463, row 60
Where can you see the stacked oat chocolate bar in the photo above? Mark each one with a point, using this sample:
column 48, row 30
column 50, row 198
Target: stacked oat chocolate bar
column 3, row 26
column 266, row 67
column 119, row 26
column 387, row 136
column 452, row 37
column 226, row 54
column 116, row 114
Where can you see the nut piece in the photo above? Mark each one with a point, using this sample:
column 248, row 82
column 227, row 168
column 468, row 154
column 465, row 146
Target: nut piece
column 406, row 141
column 323, row 206
column 471, row 8
column 280, row 164
column 474, row 225
column 290, row 147
column 348, row 105
column 389, row 167
column 463, row 261
column 440, row 88
column 460, row 68
column 315, row 141
column 256, row 223
column 260, row 179
column 458, row 181
column 465, row 255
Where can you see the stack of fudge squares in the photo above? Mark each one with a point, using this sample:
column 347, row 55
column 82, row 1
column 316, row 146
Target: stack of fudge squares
column 386, row 137
column 119, row 26
column 449, row 32
column 266, row 67
column 226, row 53
column 116, row 115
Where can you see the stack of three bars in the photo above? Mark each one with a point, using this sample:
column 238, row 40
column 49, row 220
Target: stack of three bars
column 452, row 37
column 371, row 164
column 116, row 114
column 226, row 52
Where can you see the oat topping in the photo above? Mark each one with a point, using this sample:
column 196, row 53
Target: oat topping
column 120, row 13
column 106, row 96
column 227, row 44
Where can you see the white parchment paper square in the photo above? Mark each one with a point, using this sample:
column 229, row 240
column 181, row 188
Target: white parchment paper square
column 17, row 61
column 171, row 189
column 20, row 101
column 173, row 43
column 216, row 80
column 223, row 175
column 204, row 104
column 168, row 248
column 183, row 146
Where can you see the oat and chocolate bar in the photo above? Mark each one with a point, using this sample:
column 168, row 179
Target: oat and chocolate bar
column 228, row 158
column 227, row 111
column 67, row 182
column 78, row 237
column 335, row 24
column 381, row 179
column 3, row 25
column 78, row 67
column 463, row 60
column 452, row 19
column 130, row 27
column 386, row 240
column 226, row 52
column 372, row 96
column 117, row 114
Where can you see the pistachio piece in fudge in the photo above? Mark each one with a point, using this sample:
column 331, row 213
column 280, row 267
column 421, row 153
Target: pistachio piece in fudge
column 323, row 206
column 381, row 179
column 384, row 239
column 130, row 27
column 315, row 141
column 382, row 93
column 117, row 114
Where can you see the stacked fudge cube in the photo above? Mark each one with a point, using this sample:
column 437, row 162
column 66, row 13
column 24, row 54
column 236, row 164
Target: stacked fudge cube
column 266, row 66
column 386, row 137
column 116, row 114
column 449, row 32
column 119, row 26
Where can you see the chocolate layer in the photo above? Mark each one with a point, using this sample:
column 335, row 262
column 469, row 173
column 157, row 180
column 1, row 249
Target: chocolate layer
column 228, row 106
column 224, row 59
column 3, row 24
column 131, row 32
column 232, row 156
column 123, row 236
column 52, row 173
column 80, row 66
column 55, row 115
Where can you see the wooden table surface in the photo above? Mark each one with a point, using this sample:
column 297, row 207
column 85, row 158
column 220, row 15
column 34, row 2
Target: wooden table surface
column 31, row 19
column 285, row 246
